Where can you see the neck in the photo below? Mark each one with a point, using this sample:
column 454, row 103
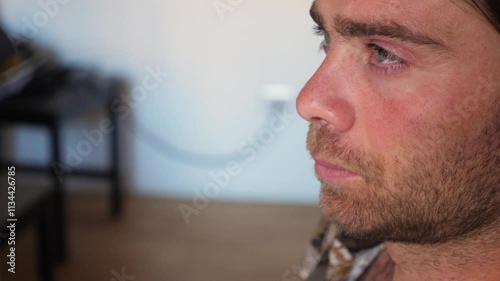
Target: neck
column 471, row 259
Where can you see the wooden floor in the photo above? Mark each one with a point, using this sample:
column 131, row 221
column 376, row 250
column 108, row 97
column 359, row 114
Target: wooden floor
column 152, row 242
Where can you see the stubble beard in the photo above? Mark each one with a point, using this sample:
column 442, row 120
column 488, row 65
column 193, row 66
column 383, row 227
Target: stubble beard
column 439, row 191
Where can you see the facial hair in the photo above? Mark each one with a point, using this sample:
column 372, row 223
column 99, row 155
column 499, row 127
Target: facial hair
column 435, row 192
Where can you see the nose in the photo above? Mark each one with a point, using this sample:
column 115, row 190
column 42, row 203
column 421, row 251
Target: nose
column 325, row 98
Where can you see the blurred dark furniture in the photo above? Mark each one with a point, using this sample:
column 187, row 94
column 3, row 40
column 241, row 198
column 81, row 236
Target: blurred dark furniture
column 33, row 205
column 6, row 48
column 50, row 104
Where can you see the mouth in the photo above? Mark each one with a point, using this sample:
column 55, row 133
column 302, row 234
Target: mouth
column 333, row 173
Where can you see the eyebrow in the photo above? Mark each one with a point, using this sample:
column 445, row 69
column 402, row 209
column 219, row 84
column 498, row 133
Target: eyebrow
column 346, row 27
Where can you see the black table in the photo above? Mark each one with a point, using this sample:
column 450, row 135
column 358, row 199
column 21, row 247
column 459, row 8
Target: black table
column 50, row 110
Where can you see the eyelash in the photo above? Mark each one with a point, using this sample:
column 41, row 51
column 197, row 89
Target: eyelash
column 319, row 31
column 388, row 69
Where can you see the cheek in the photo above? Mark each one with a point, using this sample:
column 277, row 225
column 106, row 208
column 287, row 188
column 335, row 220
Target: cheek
column 386, row 120
column 412, row 117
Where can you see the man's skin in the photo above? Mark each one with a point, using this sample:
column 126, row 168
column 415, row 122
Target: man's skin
column 406, row 105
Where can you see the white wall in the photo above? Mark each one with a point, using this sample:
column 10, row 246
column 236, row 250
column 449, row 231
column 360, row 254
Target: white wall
column 212, row 100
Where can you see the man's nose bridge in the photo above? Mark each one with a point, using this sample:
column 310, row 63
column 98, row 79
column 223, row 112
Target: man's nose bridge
column 331, row 78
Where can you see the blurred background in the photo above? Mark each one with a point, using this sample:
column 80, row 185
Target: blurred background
column 156, row 140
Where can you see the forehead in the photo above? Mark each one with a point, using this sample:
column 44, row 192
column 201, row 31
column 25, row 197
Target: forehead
column 447, row 20
column 418, row 9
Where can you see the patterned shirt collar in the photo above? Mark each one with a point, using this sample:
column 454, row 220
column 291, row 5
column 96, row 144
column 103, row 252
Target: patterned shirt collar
column 337, row 256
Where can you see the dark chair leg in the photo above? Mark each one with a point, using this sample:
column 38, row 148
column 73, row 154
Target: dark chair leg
column 116, row 186
column 59, row 215
column 44, row 256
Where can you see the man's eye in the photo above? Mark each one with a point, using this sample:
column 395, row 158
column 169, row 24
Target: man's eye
column 383, row 56
column 385, row 61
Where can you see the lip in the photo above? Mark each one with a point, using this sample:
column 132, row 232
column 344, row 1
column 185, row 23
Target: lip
column 333, row 173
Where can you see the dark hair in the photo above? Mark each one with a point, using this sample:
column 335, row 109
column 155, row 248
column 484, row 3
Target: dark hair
column 490, row 9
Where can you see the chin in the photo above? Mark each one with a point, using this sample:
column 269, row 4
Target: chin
column 351, row 218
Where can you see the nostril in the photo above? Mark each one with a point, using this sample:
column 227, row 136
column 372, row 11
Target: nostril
column 319, row 121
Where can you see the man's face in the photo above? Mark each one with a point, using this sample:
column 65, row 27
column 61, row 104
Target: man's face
column 408, row 100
